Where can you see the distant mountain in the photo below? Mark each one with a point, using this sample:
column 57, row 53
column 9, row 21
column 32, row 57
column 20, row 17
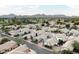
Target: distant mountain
column 8, row 16
column 36, row 15
column 43, row 15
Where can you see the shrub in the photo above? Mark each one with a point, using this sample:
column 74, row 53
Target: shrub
column 50, row 47
column 36, row 34
column 76, row 23
column 60, row 22
column 56, row 31
column 67, row 52
column 16, row 35
column 4, row 40
column 56, row 49
column 60, row 42
column 76, row 47
column 47, row 23
column 25, row 38
column 42, row 24
column 25, row 33
column 48, row 36
column 67, row 25
column 31, row 37
column 35, row 41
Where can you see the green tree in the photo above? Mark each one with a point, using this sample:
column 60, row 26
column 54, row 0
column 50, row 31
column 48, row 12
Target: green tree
column 76, row 47
column 19, row 40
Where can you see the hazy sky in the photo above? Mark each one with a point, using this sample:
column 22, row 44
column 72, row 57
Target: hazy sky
column 22, row 7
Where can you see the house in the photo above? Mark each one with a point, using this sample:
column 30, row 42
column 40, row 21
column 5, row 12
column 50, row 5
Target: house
column 29, row 35
column 64, row 30
column 40, row 32
column 8, row 46
column 13, row 32
column 51, row 42
column 61, row 37
column 31, row 26
column 74, row 32
column 22, row 49
column 68, row 45
column 23, row 30
column 40, row 38
column 45, row 29
column 72, row 37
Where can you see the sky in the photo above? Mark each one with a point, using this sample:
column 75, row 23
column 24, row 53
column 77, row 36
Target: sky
column 30, row 7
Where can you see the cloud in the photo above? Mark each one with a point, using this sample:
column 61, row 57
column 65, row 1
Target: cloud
column 74, row 10
column 38, row 2
column 19, row 9
column 36, row 9
column 22, row 6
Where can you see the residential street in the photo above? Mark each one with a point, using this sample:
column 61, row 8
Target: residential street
column 38, row 49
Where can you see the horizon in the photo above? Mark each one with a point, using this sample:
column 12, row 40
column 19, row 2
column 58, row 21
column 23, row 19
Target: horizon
column 38, row 14
column 35, row 15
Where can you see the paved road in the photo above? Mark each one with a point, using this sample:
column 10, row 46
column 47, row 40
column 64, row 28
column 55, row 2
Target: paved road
column 37, row 49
